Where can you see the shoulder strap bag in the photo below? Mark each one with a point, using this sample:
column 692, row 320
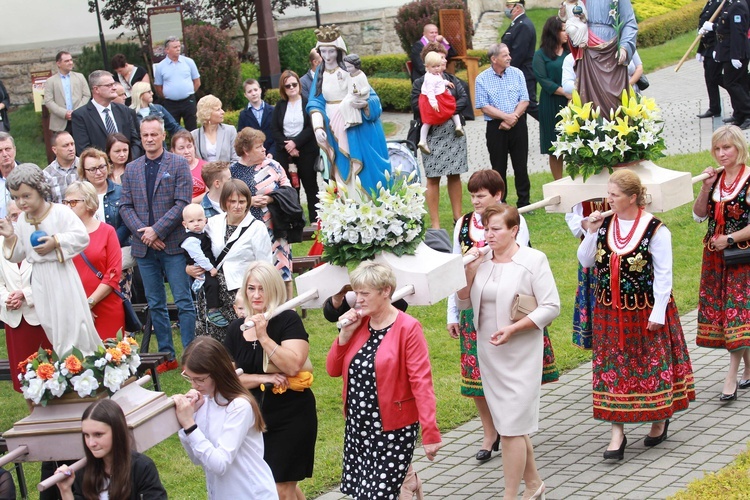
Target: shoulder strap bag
column 132, row 322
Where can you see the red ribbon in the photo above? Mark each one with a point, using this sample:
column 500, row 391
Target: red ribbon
column 614, row 286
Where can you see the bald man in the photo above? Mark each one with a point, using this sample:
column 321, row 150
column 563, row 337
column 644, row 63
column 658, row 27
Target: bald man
column 429, row 34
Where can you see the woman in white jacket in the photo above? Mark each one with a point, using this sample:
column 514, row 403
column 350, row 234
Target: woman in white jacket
column 237, row 239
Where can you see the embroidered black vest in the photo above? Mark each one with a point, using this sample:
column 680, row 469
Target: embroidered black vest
column 463, row 234
column 735, row 210
column 636, row 269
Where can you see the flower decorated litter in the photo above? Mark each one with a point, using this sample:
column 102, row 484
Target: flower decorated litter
column 353, row 230
column 44, row 375
column 588, row 142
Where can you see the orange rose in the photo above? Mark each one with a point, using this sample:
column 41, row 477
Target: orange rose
column 45, row 371
column 22, row 366
column 131, row 341
column 73, row 364
column 116, row 354
column 124, row 347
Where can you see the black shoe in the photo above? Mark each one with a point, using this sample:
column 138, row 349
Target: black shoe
column 729, row 397
column 617, row 454
column 745, row 125
column 744, row 384
column 484, row 455
column 729, row 120
column 653, row 441
column 708, row 114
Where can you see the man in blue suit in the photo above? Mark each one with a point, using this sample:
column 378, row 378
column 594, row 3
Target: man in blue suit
column 257, row 114
column 155, row 189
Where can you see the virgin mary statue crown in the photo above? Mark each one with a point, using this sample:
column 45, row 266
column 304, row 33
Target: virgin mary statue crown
column 330, row 36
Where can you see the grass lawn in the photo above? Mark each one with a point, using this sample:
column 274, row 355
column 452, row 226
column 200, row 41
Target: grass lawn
column 549, row 233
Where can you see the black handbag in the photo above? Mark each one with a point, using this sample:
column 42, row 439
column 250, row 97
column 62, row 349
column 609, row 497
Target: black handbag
column 734, row 256
column 132, row 321
column 413, row 133
column 643, row 83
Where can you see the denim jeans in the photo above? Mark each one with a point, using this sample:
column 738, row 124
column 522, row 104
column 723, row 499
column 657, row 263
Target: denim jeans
column 154, row 266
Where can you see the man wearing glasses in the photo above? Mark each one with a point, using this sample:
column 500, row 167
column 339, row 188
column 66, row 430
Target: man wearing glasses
column 520, row 37
column 62, row 172
column 93, row 122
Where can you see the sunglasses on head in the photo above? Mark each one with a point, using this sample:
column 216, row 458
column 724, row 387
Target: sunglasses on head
column 291, row 85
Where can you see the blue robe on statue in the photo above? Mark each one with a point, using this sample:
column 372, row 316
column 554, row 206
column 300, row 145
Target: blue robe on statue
column 368, row 153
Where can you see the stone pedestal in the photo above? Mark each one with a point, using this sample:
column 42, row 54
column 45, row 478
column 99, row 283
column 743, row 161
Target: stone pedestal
column 53, row 432
column 665, row 189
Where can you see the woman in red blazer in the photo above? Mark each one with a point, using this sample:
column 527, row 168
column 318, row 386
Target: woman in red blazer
column 382, row 355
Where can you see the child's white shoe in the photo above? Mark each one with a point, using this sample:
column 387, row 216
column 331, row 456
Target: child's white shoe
column 423, row 147
column 459, row 131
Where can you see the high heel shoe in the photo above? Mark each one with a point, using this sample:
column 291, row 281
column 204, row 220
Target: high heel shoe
column 484, row 455
column 653, row 441
column 744, row 383
column 412, row 485
column 729, row 397
column 539, row 493
column 617, row 454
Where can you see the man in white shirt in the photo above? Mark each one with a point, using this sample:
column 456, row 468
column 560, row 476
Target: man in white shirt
column 101, row 116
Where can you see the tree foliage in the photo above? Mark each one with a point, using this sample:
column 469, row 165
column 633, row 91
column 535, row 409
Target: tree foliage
column 217, row 61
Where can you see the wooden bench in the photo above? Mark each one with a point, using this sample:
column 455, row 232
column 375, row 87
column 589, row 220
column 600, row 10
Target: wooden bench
column 5, row 370
column 303, row 264
column 149, row 362
column 22, row 490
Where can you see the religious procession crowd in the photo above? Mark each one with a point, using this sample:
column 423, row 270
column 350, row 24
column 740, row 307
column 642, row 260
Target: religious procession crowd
column 117, row 213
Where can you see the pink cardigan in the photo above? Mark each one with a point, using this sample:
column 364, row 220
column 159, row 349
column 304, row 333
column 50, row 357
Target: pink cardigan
column 402, row 371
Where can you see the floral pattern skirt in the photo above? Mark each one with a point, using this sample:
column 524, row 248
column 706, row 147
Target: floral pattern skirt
column 648, row 379
column 723, row 304
column 584, row 307
column 471, row 378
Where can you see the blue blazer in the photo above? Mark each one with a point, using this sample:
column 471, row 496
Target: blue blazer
column 247, row 119
column 170, row 124
column 173, row 190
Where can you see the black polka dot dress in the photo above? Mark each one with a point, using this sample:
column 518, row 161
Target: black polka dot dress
column 375, row 462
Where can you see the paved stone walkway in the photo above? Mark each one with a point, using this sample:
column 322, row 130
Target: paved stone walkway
column 569, row 444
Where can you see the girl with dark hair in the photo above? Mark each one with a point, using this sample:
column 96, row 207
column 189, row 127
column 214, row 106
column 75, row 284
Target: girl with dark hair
column 113, row 469
column 222, row 425
column 547, row 65
column 119, row 153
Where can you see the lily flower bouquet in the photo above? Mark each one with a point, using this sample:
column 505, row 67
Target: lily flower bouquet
column 589, row 142
column 390, row 220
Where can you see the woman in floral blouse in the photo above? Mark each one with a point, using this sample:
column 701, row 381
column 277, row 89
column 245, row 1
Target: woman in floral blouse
column 641, row 367
column 723, row 320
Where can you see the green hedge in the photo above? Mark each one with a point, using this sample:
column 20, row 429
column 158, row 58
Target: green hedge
column 646, row 9
column 394, row 93
column 247, row 70
column 661, row 29
column 384, row 63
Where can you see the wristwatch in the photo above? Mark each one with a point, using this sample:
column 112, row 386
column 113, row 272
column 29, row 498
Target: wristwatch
column 730, row 240
column 92, row 303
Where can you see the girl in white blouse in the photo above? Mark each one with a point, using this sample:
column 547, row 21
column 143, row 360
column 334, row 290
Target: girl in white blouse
column 222, row 425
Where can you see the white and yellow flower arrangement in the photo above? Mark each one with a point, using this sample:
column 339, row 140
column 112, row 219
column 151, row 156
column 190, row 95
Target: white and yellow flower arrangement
column 354, row 229
column 589, row 142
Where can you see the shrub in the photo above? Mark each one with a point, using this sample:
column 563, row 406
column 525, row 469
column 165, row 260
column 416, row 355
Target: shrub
column 219, row 64
column 232, row 117
column 91, row 57
column 394, row 93
column 661, row 29
column 294, row 50
column 412, row 17
column 272, row 96
column 247, row 70
column 384, row 63
column 646, row 9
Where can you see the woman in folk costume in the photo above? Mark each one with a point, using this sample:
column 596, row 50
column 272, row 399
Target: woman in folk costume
column 641, row 367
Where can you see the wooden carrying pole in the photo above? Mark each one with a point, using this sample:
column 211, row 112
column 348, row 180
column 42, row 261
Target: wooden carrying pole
column 697, row 39
column 56, row 478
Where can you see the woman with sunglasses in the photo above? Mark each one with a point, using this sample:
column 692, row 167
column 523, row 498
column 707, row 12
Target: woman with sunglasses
column 222, row 427
column 100, row 264
column 295, row 140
